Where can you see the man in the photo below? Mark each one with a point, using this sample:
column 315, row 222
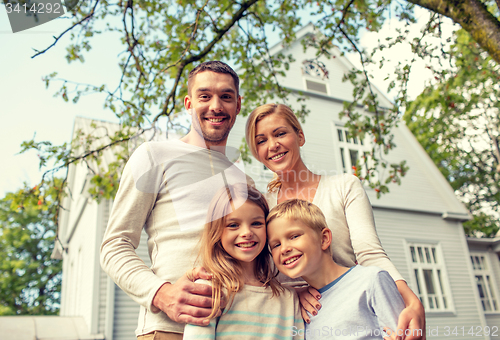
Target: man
column 166, row 188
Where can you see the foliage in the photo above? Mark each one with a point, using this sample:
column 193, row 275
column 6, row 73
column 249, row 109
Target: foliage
column 164, row 40
column 457, row 121
column 30, row 281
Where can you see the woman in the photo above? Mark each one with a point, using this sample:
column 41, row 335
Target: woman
column 274, row 136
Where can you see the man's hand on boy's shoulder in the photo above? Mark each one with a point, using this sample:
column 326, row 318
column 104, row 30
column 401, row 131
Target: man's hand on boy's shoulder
column 308, row 297
column 185, row 301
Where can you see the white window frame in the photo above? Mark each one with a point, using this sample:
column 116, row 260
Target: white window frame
column 346, row 146
column 427, row 266
column 482, row 272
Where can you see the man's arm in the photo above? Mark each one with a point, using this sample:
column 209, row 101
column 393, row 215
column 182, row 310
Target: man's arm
column 130, row 211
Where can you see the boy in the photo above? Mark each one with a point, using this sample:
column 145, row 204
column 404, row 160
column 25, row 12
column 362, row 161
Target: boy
column 357, row 303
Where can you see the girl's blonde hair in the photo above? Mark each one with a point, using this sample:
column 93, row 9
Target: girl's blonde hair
column 257, row 115
column 226, row 271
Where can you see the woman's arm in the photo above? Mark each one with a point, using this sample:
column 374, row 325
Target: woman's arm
column 369, row 251
column 361, row 227
column 412, row 318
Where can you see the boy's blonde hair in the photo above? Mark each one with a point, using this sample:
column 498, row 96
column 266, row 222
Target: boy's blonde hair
column 302, row 211
column 226, row 271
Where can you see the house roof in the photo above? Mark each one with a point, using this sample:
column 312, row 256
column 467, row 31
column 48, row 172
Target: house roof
column 46, row 328
column 494, row 243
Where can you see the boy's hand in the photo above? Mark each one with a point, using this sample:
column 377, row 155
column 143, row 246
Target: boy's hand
column 308, row 297
column 185, row 301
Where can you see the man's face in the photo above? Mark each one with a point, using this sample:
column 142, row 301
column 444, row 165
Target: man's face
column 214, row 105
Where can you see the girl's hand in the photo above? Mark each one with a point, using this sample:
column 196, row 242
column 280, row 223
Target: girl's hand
column 308, row 297
column 411, row 321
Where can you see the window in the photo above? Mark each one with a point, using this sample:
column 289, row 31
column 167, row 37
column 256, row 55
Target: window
column 352, row 151
column 316, row 86
column 430, row 277
column 315, row 73
column 485, row 284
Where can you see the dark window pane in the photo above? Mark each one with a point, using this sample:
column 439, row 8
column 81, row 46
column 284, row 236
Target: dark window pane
column 420, row 254
column 413, row 255
column 418, row 282
column 429, row 281
column 354, row 157
column 428, row 255
column 342, row 157
column 347, row 137
column 434, row 255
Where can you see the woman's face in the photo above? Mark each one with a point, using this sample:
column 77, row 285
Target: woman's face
column 278, row 145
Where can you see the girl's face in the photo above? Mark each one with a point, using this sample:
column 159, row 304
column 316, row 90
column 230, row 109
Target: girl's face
column 244, row 234
column 278, row 145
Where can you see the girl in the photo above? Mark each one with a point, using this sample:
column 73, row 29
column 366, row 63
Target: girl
column 234, row 250
column 274, row 136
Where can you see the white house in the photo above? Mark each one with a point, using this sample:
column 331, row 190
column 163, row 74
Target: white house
column 419, row 222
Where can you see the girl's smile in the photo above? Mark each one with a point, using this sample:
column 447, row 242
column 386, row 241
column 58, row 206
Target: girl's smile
column 244, row 234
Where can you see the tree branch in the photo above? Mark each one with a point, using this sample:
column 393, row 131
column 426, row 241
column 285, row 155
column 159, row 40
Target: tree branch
column 56, row 39
column 180, row 68
column 474, row 17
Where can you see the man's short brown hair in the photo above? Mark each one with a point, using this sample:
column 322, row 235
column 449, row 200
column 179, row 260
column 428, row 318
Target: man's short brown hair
column 217, row 67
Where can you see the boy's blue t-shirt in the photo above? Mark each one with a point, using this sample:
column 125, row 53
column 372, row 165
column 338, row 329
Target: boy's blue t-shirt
column 357, row 305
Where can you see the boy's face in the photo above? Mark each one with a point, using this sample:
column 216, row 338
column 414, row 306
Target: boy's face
column 295, row 247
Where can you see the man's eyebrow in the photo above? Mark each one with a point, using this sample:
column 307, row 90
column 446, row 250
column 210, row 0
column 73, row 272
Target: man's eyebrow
column 207, row 89
column 279, row 127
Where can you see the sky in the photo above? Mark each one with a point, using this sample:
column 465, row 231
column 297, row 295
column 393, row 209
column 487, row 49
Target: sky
column 28, row 108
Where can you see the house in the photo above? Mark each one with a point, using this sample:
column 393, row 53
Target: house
column 419, row 222
column 484, row 255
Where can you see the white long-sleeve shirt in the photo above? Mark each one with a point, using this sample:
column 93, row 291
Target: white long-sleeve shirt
column 166, row 188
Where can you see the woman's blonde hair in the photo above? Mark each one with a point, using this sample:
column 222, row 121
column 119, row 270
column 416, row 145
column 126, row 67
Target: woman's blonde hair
column 257, row 115
column 226, row 271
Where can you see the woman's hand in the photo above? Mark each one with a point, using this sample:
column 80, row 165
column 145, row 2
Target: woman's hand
column 411, row 321
column 308, row 297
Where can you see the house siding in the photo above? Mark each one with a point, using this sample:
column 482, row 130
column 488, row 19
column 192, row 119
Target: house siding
column 493, row 319
column 103, row 277
column 396, row 228
column 126, row 309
